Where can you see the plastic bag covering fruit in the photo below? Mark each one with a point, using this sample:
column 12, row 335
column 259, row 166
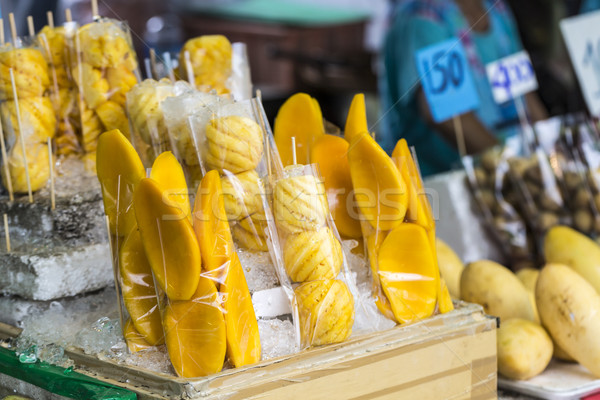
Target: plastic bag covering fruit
column 300, row 204
column 211, row 226
column 243, row 340
column 241, row 195
column 37, row 164
column 326, row 311
column 299, row 117
column 374, row 239
column 195, row 332
column 234, row 144
column 356, row 122
column 380, row 191
column 135, row 340
column 331, row 153
column 210, row 57
column 119, row 171
column 419, row 209
column 408, row 273
column 138, row 290
column 167, row 171
column 309, row 256
column 169, row 241
column 30, row 71
column 445, row 301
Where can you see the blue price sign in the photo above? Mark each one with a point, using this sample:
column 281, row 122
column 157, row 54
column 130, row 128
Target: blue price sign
column 446, row 79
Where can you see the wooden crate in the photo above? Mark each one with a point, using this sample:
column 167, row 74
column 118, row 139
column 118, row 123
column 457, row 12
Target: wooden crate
column 450, row 356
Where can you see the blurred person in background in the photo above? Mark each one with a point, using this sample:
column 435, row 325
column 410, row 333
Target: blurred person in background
column 487, row 30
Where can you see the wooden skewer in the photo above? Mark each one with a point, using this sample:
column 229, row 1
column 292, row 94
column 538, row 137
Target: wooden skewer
column 1, row 31
column 147, row 68
column 294, row 160
column 51, row 168
column 50, row 18
column 22, row 139
column 460, row 137
column 6, row 233
column 13, row 28
column 5, row 162
column 30, row 26
column 95, row 13
column 68, row 15
column 153, row 64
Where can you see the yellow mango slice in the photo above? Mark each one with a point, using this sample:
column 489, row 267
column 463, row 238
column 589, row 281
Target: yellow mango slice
column 300, row 117
column 408, row 273
column 331, row 153
column 419, row 210
column 380, row 191
column 211, row 226
column 356, row 122
column 445, row 301
column 374, row 240
column 137, row 286
column 243, row 341
column 167, row 171
column 119, row 170
column 169, row 241
column 135, row 340
column 195, row 332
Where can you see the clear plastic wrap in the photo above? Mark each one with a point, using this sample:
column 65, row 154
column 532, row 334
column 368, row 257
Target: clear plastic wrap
column 27, row 112
column 398, row 230
column 180, row 280
column 177, row 112
column 105, row 69
column 498, row 201
column 150, row 134
column 310, row 247
column 212, row 63
column 57, row 46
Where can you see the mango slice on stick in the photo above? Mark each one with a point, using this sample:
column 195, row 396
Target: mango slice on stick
column 169, row 241
column 300, row 117
column 419, row 209
column 445, row 301
column 243, row 340
column 331, row 153
column 119, row 170
column 379, row 189
column 167, row 171
column 408, row 273
column 135, row 340
column 195, row 332
column 139, row 294
column 211, row 226
column 356, row 122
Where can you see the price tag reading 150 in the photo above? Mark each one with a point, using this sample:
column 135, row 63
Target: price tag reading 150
column 446, row 79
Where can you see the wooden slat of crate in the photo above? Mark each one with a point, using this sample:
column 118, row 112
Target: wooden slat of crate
column 450, row 357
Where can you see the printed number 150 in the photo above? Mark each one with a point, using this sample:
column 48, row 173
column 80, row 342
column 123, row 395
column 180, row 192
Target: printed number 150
column 449, row 71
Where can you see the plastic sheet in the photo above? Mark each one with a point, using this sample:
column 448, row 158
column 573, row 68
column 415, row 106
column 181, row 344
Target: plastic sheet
column 57, row 46
column 105, row 69
column 61, row 381
column 212, row 64
column 27, row 120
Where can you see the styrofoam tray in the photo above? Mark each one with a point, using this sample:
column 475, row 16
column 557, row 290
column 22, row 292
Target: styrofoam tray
column 560, row 381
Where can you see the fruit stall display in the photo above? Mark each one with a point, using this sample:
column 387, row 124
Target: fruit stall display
column 198, row 194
